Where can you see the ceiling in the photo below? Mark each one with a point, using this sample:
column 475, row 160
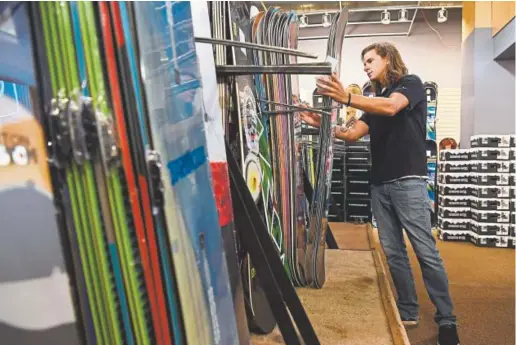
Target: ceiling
column 364, row 16
column 321, row 6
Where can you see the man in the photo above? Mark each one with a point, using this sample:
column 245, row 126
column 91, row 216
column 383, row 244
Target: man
column 396, row 122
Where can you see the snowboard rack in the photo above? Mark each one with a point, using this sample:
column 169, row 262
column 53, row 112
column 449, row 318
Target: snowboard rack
column 297, row 108
column 317, row 68
column 255, row 239
column 255, row 46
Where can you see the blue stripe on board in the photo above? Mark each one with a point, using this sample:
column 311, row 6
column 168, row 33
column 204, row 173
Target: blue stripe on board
column 183, row 166
column 113, row 253
column 124, row 15
column 79, row 48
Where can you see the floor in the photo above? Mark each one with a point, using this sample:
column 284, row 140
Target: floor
column 348, row 310
column 482, row 288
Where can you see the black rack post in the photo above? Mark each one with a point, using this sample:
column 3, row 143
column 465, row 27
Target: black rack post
column 256, row 241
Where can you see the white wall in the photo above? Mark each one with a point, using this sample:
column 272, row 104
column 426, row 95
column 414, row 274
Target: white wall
column 423, row 52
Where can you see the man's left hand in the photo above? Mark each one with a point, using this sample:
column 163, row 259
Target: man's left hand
column 333, row 88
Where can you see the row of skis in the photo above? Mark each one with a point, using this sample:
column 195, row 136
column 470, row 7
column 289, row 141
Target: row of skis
column 136, row 122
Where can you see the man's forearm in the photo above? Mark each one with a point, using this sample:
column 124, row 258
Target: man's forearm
column 374, row 105
column 350, row 135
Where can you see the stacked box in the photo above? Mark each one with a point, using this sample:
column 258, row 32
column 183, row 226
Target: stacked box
column 357, row 179
column 493, row 187
column 454, row 195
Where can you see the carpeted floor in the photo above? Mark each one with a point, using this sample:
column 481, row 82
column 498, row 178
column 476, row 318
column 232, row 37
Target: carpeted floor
column 348, row 310
column 351, row 236
column 482, row 289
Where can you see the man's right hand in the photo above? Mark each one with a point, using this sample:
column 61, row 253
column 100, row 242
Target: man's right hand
column 310, row 118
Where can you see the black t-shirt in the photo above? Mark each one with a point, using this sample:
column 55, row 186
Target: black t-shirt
column 398, row 143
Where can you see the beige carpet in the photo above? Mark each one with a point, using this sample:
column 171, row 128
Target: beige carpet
column 348, row 310
column 482, row 288
column 351, row 236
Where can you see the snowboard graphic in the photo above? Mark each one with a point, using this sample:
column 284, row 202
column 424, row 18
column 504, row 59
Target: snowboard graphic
column 38, row 305
column 174, row 100
column 218, row 162
column 318, row 216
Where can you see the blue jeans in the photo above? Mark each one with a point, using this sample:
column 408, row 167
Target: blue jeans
column 404, row 204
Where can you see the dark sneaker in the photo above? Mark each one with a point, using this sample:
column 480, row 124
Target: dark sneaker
column 448, row 335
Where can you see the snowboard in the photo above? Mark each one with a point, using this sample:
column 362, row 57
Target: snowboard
column 318, row 216
column 431, row 144
column 173, row 96
column 86, row 183
column 218, row 162
column 39, row 268
column 276, row 27
column 244, row 134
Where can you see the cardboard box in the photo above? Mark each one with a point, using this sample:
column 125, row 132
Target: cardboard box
column 454, row 178
column 454, row 212
column 454, row 201
column 490, row 229
column 492, row 204
column 483, row 179
column 490, row 154
column 453, row 224
column 492, row 141
column 454, row 155
column 453, row 236
column 498, row 217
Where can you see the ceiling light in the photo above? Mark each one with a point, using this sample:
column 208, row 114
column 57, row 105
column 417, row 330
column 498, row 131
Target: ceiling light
column 326, row 20
column 386, row 17
column 303, row 20
column 442, row 15
column 403, row 15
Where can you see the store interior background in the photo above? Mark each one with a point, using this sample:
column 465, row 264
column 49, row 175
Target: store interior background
column 471, row 59
column 469, row 56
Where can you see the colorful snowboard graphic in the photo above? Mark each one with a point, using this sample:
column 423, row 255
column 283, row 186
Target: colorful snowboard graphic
column 218, row 162
column 316, row 244
column 175, row 111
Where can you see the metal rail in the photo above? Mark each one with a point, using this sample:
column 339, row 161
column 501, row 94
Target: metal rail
column 255, row 46
column 322, row 68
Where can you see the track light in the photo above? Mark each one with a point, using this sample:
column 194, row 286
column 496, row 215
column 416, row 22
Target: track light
column 403, row 15
column 303, row 21
column 326, row 20
column 386, row 17
column 442, row 15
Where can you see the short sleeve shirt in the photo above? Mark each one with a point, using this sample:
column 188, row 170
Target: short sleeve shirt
column 398, row 143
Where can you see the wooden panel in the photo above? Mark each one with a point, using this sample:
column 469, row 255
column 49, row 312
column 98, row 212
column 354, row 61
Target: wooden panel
column 468, row 18
column 482, row 14
column 502, row 12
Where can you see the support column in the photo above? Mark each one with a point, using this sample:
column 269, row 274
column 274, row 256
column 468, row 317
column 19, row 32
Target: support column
column 487, row 105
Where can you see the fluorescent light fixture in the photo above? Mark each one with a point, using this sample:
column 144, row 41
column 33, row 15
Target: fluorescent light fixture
column 326, row 20
column 442, row 15
column 403, row 15
column 303, row 20
column 386, row 17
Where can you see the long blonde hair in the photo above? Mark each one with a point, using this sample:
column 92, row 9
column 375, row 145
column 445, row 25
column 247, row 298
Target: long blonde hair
column 395, row 68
